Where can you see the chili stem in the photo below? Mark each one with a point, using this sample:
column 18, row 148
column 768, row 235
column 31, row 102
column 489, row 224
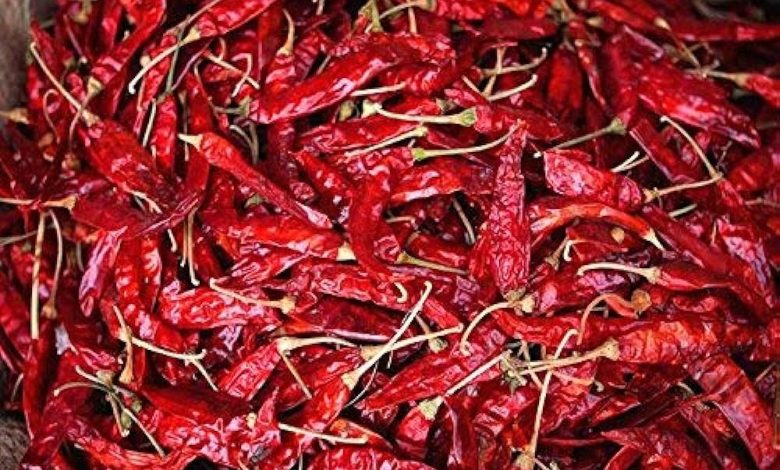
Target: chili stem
column 631, row 162
column 682, row 211
column 435, row 344
column 651, row 274
column 378, row 90
column 404, row 294
column 367, row 352
column 525, row 351
column 174, row 60
column 737, row 78
column 50, row 308
column 144, row 430
column 420, row 131
column 470, row 235
column 589, row 308
column 88, row 117
column 192, row 36
column 345, row 253
column 513, row 91
column 285, row 304
column 614, row 127
column 36, row 270
column 190, row 249
column 566, row 255
column 530, row 450
column 492, row 79
column 16, row 202
column 428, row 5
column 165, row 352
column 476, row 373
column 287, row 343
column 406, row 258
column 126, row 376
column 227, row 65
column 653, row 194
column 421, row 153
column 149, row 123
column 287, row 47
column 465, row 118
column 711, row 171
column 326, row 437
column 18, row 115
column 464, row 340
column 535, row 62
column 351, row 378
column 296, row 375
column 16, row 238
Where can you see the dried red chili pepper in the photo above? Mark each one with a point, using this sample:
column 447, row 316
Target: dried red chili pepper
column 571, row 177
column 353, row 67
column 290, row 192
column 219, row 152
column 667, row 442
column 370, row 459
column 733, row 393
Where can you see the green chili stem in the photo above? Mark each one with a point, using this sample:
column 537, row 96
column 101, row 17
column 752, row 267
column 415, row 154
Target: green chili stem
column 421, row 153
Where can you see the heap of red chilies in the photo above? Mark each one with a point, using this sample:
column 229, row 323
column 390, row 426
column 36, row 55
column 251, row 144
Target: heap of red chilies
column 453, row 234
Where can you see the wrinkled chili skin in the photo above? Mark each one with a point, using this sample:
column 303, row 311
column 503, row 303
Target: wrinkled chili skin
column 463, row 234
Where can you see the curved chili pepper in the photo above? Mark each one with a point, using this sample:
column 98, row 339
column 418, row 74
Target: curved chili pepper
column 111, row 64
column 418, row 380
column 369, row 459
column 509, row 245
column 134, row 170
column 203, row 308
column 669, row 443
column 346, row 74
column 701, row 419
column 281, row 231
column 317, row 415
column 701, row 105
column 222, row 154
column 732, row 392
column 548, row 215
column 98, row 270
column 228, row 433
column 571, row 177
column 695, row 337
column 691, row 29
column 366, row 212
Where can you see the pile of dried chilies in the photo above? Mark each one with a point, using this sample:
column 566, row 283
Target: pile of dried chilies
column 451, row 234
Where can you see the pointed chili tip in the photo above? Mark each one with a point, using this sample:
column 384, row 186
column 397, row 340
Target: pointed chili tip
column 345, row 253
column 287, row 47
column 595, row 21
column 430, row 408
column 652, row 238
column 192, row 139
column 662, row 23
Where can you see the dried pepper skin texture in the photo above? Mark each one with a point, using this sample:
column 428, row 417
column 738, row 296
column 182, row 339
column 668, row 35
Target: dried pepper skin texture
column 410, row 235
column 507, row 225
